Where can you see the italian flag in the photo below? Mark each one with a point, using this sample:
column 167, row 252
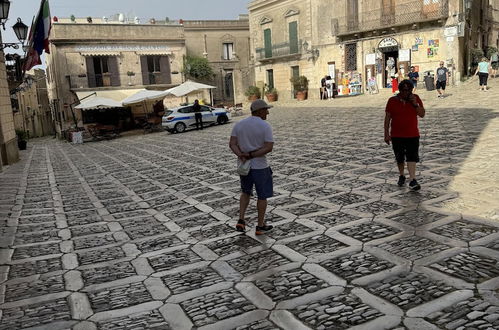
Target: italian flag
column 38, row 40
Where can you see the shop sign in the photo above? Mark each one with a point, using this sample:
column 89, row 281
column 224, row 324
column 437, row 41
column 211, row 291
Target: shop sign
column 405, row 55
column 388, row 43
column 450, row 31
column 370, row 59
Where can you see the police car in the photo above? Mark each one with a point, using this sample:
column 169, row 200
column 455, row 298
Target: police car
column 178, row 120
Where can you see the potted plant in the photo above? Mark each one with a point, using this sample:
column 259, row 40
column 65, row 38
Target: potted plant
column 300, row 86
column 130, row 74
column 22, row 139
column 253, row 93
column 271, row 93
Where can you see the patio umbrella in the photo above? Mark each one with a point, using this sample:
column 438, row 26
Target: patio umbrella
column 144, row 95
column 188, row 87
column 98, row 103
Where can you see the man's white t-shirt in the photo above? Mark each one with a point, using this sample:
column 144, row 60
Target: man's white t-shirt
column 251, row 134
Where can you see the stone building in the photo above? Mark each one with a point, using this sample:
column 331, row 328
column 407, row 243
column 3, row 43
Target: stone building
column 115, row 58
column 9, row 153
column 357, row 41
column 31, row 105
column 225, row 43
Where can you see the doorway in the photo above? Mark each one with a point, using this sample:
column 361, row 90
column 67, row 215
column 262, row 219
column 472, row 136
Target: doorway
column 390, row 59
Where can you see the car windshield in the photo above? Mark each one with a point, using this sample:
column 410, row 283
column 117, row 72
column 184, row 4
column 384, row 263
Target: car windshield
column 168, row 112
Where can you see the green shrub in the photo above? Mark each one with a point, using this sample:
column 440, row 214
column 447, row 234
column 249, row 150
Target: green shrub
column 300, row 83
column 21, row 135
column 253, row 91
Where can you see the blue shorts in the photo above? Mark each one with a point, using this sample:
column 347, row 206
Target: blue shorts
column 261, row 179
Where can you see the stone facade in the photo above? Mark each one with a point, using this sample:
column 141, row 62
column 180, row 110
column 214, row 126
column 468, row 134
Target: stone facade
column 8, row 143
column 225, row 43
column 32, row 112
column 353, row 40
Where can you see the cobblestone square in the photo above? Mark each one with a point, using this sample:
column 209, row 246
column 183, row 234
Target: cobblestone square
column 138, row 232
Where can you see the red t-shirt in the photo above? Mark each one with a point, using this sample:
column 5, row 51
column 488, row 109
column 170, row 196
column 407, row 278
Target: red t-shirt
column 404, row 117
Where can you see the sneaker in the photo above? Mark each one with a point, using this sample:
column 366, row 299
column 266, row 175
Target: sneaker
column 401, row 181
column 263, row 229
column 241, row 226
column 414, row 185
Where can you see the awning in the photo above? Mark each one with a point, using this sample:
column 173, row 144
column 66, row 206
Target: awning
column 96, row 102
column 188, row 87
column 154, row 52
column 97, row 53
column 145, row 95
column 116, row 95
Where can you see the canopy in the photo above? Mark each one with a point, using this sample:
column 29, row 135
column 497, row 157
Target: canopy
column 188, row 87
column 144, row 95
column 97, row 102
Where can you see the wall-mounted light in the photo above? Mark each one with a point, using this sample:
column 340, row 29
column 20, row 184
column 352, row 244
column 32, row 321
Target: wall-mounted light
column 21, row 31
column 4, row 11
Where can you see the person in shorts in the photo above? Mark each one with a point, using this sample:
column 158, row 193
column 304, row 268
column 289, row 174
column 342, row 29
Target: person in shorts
column 414, row 77
column 441, row 79
column 401, row 129
column 494, row 63
column 251, row 139
column 482, row 71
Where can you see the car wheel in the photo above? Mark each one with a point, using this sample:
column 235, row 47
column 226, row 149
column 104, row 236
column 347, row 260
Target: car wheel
column 222, row 120
column 180, row 127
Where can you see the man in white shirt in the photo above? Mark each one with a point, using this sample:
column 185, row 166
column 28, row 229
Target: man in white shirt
column 251, row 139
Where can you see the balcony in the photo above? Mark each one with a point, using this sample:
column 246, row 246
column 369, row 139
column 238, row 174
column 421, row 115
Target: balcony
column 280, row 51
column 407, row 13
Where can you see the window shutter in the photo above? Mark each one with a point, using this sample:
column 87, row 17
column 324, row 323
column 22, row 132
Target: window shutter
column 164, row 66
column 267, row 36
column 90, row 71
column 293, row 37
column 145, row 72
column 114, row 70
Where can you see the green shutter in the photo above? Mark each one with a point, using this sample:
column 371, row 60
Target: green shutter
column 295, row 71
column 293, row 37
column 267, row 36
column 270, row 78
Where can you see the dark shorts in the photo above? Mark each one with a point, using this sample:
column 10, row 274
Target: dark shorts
column 482, row 77
column 441, row 84
column 262, row 180
column 414, row 83
column 406, row 149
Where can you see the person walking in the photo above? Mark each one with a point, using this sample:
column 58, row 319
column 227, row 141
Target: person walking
column 414, row 77
column 401, row 129
column 483, row 73
column 197, row 114
column 323, row 88
column 251, row 140
column 441, row 79
column 494, row 62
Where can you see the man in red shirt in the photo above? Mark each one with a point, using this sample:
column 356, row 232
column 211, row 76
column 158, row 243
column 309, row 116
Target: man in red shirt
column 401, row 128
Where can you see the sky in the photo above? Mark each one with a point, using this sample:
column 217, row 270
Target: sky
column 144, row 9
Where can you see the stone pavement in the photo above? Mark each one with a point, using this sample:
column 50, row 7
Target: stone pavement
column 137, row 233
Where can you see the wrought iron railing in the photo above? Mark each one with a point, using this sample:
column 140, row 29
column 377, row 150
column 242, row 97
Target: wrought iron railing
column 279, row 50
column 409, row 12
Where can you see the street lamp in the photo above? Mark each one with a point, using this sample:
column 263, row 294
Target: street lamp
column 21, row 31
column 4, row 11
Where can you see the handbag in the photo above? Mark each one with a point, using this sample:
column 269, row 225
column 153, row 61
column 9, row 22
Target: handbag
column 244, row 168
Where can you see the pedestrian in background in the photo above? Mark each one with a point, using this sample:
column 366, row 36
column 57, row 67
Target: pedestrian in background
column 483, row 73
column 197, row 114
column 323, row 88
column 494, row 62
column 441, row 79
column 414, row 77
column 251, row 139
column 401, row 129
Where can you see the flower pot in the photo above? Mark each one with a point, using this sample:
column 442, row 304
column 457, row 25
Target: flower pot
column 300, row 96
column 22, row 144
column 271, row 97
column 252, row 98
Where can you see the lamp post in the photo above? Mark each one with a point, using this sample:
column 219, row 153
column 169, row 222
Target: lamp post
column 21, row 31
column 4, row 12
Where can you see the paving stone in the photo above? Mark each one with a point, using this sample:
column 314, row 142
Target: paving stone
column 257, row 262
column 37, row 237
column 355, row 265
column 333, row 219
column 336, row 312
column 157, row 243
column 100, row 255
column 413, row 247
column 40, row 287
column 194, row 221
column 229, row 245
column 316, row 245
column 259, row 325
column 173, row 259
column 304, row 209
column 369, row 231
column 289, row 229
column 36, row 219
column 285, row 285
column 89, row 230
column 378, row 207
column 119, row 297
column 346, row 199
column 35, row 267
column 214, row 307
column 93, row 241
column 212, row 232
column 469, row 266
column 38, row 314
column 35, row 251
column 464, row 231
column 417, row 218
column 193, row 279
column 409, row 289
column 144, row 320
column 115, row 271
